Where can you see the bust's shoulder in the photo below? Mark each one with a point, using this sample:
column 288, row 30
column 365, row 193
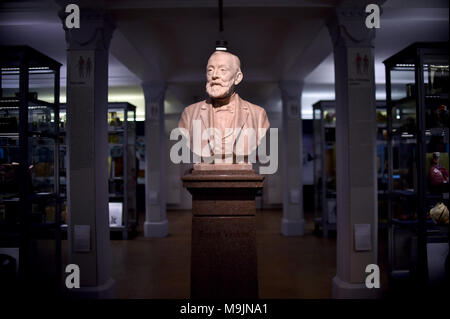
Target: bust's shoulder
column 258, row 114
column 255, row 108
column 194, row 107
column 190, row 113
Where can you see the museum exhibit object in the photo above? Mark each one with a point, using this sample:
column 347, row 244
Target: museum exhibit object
column 30, row 203
column 417, row 84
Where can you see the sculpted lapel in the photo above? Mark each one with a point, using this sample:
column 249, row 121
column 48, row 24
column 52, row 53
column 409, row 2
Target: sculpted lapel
column 206, row 117
column 241, row 118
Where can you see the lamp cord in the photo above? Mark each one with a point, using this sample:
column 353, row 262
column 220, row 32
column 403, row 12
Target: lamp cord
column 221, row 16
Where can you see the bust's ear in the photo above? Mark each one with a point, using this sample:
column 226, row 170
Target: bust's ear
column 238, row 77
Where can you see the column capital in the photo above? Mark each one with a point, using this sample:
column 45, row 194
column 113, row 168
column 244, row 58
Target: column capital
column 347, row 28
column 95, row 32
column 154, row 92
column 291, row 89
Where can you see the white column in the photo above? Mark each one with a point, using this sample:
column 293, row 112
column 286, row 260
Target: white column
column 87, row 145
column 156, row 224
column 355, row 152
column 293, row 223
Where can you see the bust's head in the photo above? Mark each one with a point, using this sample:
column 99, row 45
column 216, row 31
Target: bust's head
column 223, row 73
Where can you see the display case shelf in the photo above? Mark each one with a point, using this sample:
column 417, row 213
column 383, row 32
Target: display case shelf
column 10, row 103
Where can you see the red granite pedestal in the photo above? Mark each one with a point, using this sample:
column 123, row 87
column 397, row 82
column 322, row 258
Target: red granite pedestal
column 223, row 251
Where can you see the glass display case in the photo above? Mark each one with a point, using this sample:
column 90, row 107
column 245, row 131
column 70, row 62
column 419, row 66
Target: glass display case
column 30, row 203
column 122, row 177
column 324, row 141
column 417, row 84
column 324, row 146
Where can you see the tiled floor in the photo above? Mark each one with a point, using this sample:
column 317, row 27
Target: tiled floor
column 154, row 267
column 288, row 267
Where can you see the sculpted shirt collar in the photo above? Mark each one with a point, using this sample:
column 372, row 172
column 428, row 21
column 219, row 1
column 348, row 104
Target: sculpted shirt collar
column 239, row 106
column 230, row 107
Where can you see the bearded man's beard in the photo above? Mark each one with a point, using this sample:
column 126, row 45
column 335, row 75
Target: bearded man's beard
column 218, row 91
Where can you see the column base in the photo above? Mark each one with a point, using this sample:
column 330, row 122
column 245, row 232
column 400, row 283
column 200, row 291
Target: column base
column 292, row 227
column 156, row 229
column 105, row 291
column 345, row 290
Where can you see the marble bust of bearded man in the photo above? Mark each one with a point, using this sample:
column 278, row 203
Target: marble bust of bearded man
column 223, row 126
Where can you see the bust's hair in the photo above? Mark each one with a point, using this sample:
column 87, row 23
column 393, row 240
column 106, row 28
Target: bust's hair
column 235, row 58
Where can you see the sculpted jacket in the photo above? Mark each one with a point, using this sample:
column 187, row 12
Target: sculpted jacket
column 250, row 126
